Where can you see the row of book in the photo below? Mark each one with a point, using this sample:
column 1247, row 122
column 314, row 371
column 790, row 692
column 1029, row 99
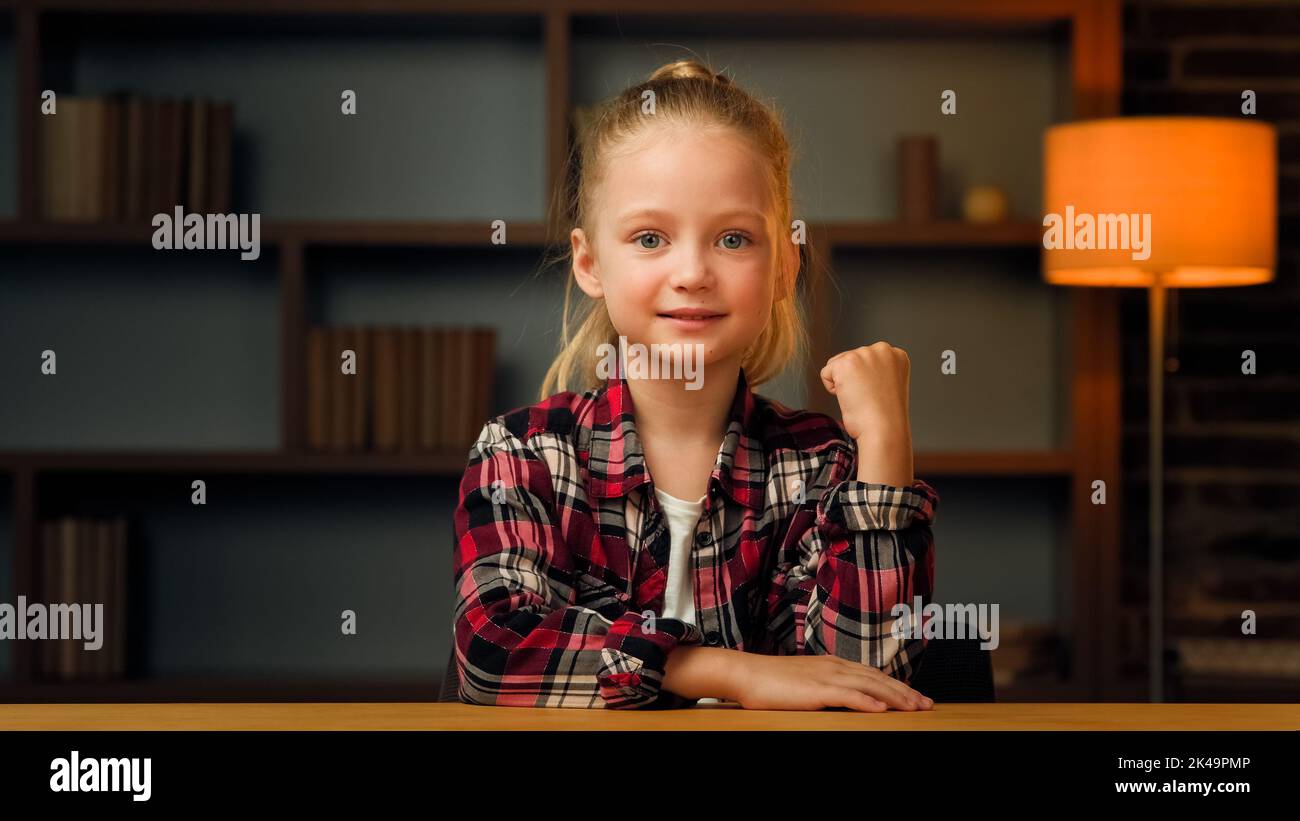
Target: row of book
column 83, row 560
column 412, row 388
column 124, row 157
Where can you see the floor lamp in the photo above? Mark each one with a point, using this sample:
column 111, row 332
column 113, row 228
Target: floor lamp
column 1159, row 203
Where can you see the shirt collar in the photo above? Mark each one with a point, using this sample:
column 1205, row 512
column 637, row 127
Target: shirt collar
column 616, row 463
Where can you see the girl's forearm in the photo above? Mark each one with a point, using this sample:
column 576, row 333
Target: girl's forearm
column 703, row 672
column 886, row 458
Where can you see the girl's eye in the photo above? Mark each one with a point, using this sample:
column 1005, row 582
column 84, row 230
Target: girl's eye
column 652, row 236
column 733, row 241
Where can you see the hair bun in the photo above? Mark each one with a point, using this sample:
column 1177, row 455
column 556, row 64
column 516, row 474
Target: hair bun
column 687, row 69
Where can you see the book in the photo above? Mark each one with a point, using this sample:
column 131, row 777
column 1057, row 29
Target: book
column 448, row 385
column 83, row 563
column 462, row 376
column 113, row 158
column 171, row 152
column 221, row 124
column 154, row 198
column 415, row 388
column 133, row 170
column 359, row 391
column 340, row 424
column 196, row 193
column 430, row 351
column 69, row 161
column 102, row 578
column 408, row 401
column 385, row 418
column 51, row 200
column 116, row 616
column 90, row 181
column 47, row 656
column 67, row 593
column 485, row 381
column 87, row 546
column 317, row 368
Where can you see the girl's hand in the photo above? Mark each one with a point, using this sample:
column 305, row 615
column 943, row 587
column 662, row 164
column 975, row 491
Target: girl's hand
column 816, row 682
column 871, row 385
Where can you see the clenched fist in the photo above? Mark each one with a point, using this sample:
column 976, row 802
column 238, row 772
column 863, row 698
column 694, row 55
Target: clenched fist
column 871, row 385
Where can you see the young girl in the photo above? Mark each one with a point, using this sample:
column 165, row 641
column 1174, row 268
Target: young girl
column 645, row 541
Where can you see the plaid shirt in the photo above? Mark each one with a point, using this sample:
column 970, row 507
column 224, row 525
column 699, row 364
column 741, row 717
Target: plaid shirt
column 562, row 553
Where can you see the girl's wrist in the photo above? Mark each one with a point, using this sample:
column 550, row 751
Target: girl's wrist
column 694, row 671
column 733, row 673
column 885, row 457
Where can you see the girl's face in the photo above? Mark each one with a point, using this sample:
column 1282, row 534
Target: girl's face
column 680, row 226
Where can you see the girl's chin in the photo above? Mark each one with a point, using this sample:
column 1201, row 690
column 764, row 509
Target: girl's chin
column 692, row 353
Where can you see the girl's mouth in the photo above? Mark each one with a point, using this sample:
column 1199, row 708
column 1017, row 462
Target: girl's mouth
column 691, row 320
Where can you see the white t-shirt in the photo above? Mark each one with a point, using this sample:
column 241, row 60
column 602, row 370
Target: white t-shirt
column 679, row 594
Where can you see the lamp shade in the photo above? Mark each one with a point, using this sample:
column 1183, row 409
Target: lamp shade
column 1182, row 201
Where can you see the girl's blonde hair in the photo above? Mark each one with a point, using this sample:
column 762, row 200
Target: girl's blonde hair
column 685, row 92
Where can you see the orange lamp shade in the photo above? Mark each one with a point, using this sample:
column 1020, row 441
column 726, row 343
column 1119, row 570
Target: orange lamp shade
column 1184, row 201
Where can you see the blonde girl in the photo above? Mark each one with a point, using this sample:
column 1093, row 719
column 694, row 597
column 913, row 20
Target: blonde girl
column 639, row 539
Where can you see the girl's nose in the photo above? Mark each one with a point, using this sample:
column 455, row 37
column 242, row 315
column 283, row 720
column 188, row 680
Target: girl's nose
column 692, row 271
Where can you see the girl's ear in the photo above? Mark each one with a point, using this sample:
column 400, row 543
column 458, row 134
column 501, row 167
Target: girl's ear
column 584, row 264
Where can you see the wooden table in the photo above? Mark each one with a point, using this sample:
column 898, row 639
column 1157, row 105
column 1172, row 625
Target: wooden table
column 726, row 716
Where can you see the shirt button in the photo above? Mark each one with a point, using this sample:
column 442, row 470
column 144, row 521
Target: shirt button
column 703, row 539
column 712, row 637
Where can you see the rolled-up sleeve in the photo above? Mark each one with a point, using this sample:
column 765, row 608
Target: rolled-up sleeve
column 860, row 550
column 520, row 638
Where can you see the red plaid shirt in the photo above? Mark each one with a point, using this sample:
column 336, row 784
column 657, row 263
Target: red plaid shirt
column 562, row 553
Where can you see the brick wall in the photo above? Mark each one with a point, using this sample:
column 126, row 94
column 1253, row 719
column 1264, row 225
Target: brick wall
column 1232, row 446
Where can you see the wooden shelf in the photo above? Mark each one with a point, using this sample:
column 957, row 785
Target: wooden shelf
column 947, row 234
column 434, row 234
column 450, row 462
column 216, row 688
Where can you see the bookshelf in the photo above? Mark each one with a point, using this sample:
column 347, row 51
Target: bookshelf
column 557, row 50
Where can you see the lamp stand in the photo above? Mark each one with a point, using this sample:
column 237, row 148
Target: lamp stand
column 1156, row 434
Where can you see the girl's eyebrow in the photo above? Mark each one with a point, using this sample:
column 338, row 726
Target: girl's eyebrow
column 656, row 213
